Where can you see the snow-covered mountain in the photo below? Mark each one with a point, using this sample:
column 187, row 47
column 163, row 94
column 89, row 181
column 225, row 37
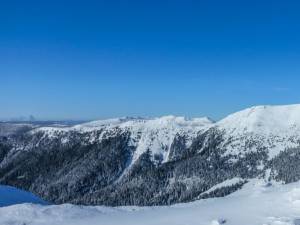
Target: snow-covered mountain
column 273, row 127
column 136, row 161
column 154, row 135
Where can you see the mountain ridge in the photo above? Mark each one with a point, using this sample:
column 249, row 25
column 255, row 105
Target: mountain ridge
column 153, row 161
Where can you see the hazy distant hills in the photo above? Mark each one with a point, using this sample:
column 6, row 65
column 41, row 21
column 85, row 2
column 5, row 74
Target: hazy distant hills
column 136, row 161
column 11, row 127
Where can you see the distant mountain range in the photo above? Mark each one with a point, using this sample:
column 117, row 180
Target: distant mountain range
column 160, row 161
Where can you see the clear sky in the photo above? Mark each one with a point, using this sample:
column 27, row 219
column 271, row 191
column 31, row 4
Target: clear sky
column 99, row 59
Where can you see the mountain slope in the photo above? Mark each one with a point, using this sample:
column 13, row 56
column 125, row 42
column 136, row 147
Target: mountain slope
column 135, row 161
column 156, row 135
column 273, row 127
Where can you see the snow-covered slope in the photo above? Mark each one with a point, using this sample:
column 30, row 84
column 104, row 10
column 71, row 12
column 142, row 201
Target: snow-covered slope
column 155, row 135
column 273, row 127
column 263, row 120
column 256, row 204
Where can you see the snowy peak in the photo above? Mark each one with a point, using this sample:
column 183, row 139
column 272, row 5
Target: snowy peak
column 264, row 119
column 275, row 128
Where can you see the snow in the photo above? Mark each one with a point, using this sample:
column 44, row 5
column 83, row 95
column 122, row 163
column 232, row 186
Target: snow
column 94, row 125
column 255, row 204
column 156, row 135
column 226, row 183
column 274, row 127
column 264, row 119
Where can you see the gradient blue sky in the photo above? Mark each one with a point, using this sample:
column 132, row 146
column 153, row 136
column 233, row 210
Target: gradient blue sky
column 100, row 59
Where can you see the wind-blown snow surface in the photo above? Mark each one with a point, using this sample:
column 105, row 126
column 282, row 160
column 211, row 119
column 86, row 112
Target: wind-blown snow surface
column 256, row 204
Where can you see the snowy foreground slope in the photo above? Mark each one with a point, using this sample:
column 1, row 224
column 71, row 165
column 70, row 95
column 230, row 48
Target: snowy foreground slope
column 256, row 204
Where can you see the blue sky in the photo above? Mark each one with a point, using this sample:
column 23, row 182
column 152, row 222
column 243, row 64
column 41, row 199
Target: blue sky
column 101, row 59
